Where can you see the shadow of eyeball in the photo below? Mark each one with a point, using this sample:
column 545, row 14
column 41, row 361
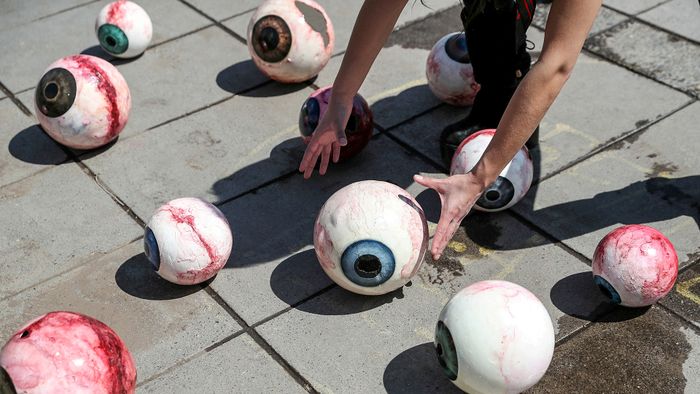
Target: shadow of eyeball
column 136, row 277
column 417, row 370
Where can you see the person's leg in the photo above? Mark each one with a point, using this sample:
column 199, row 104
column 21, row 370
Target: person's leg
column 499, row 58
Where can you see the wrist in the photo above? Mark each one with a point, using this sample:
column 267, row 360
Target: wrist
column 483, row 174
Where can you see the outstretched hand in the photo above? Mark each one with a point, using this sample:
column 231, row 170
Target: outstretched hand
column 458, row 194
column 326, row 141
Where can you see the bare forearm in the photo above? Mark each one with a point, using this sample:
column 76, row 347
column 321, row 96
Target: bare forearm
column 367, row 39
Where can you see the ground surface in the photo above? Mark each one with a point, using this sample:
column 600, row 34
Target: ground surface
column 619, row 146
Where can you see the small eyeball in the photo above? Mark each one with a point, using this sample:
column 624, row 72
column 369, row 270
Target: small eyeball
column 55, row 93
column 123, row 29
column 449, row 71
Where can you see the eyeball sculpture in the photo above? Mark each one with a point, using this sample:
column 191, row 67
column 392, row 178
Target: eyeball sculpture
column 449, row 71
column 513, row 182
column 635, row 265
column 82, row 102
column 494, row 337
column 358, row 131
column 66, row 352
column 290, row 40
column 188, row 241
column 371, row 237
column 124, row 29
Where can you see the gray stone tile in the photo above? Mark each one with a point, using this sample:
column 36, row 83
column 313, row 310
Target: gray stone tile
column 678, row 16
column 160, row 323
column 33, row 46
column 272, row 265
column 606, row 18
column 215, row 154
column 684, row 299
column 652, row 52
column 26, row 149
column 607, row 356
column 18, row 12
column 633, row 6
column 222, row 9
column 60, row 219
column 239, row 365
column 650, row 178
column 184, row 75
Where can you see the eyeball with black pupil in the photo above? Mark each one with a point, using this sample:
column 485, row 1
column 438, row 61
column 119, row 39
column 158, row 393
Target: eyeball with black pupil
column 371, row 237
column 82, row 102
column 290, row 40
column 358, row 130
column 449, row 71
column 123, row 29
column 512, row 183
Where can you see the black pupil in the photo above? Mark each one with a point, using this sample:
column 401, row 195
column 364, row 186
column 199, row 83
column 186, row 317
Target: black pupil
column 51, row 90
column 24, row 334
column 368, row 266
column 111, row 41
column 492, row 195
column 269, row 39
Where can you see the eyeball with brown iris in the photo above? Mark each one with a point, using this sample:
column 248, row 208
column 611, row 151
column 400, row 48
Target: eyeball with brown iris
column 290, row 40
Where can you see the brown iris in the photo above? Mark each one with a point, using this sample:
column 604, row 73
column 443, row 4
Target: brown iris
column 271, row 38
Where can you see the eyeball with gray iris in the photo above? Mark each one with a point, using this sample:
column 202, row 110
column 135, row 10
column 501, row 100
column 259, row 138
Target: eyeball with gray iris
column 371, row 237
column 290, row 40
column 124, row 29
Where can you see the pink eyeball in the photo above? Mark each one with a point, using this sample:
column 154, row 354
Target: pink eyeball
column 124, row 29
column 449, row 71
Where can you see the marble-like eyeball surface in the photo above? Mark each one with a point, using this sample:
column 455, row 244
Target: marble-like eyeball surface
column 123, row 29
column 494, row 337
column 371, row 237
column 66, row 352
column 188, row 241
column 358, row 130
column 290, row 40
column 449, row 71
column 82, row 102
column 512, row 183
column 635, row 265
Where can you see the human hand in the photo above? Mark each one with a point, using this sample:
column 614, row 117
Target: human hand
column 458, row 193
column 326, row 140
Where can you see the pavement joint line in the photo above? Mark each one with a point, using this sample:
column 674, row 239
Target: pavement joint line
column 636, row 18
column 566, row 338
column 15, row 100
column 690, row 264
column 228, row 18
column 293, row 373
column 216, row 22
column 677, row 315
column 639, row 12
column 294, row 305
column 606, row 145
column 64, row 10
column 256, row 188
column 169, row 40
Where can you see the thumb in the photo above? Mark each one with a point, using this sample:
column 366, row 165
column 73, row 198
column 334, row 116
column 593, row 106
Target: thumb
column 432, row 183
column 342, row 139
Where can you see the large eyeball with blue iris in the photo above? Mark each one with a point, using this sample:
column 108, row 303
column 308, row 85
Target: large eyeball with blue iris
column 449, row 71
column 188, row 241
column 124, row 29
column 290, row 40
column 512, row 183
column 371, row 237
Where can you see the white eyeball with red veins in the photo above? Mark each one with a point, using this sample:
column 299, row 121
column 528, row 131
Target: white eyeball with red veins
column 449, row 71
column 66, row 352
column 188, row 241
column 513, row 182
column 82, row 101
column 290, row 40
column 635, row 265
column 124, row 29
column 371, row 237
column 494, row 337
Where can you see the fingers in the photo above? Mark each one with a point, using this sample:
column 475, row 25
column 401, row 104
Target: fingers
column 340, row 136
column 336, row 152
column 309, row 160
column 325, row 157
column 446, row 229
column 432, row 183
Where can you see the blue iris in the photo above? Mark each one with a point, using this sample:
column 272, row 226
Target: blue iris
column 368, row 263
column 150, row 245
column 607, row 289
column 308, row 117
column 456, row 48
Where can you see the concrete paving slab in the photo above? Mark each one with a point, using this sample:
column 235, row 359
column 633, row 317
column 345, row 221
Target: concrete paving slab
column 37, row 44
column 652, row 52
column 161, row 323
column 223, row 9
column 239, row 365
column 271, row 265
column 60, row 219
column 26, row 149
column 215, row 154
column 606, row 18
column 684, row 299
column 633, row 6
column 185, row 75
column 678, row 16
column 654, row 352
column 16, row 12
column 650, row 178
